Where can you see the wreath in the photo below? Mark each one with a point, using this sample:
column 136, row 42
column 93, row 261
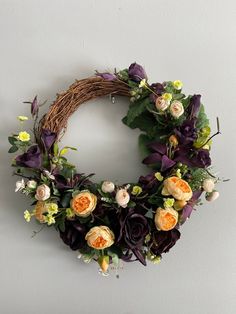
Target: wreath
column 133, row 221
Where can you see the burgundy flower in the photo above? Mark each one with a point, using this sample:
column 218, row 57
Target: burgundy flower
column 186, row 133
column 189, row 207
column 194, row 106
column 159, row 155
column 48, row 138
column 31, row 159
column 74, row 234
column 163, row 241
column 133, row 230
column 107, row 76
column 201, row 158
column 136, row 72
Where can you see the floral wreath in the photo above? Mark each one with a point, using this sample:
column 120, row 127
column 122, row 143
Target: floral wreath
column 134, row 221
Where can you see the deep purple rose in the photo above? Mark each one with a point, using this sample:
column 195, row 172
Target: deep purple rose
column 201, row 158
column 48, row 138
column 133, row 230
column 30, row 159
column 107, row 76
column 194, row 106
column 74, row 234
column 187, row 133
column 163, row 241
column 136, row 72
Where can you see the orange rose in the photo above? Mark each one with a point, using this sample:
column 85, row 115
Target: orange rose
column 84, row 203
column 40, row 209
column 178, row 188
column 100, row 237
column 166, row 219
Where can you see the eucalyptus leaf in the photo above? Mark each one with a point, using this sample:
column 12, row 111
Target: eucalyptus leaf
column 13, row 149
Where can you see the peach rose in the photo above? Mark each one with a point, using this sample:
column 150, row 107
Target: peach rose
column 161, row 104
column 84, row 203
column 178, row 188
column 100, row 237
column 122, row 197
column 42, row 192
column 166, row 219
column 176, row 109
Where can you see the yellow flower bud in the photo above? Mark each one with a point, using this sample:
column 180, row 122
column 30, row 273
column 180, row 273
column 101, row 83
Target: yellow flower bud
column 177, row 84
column 173, row 140
column 136, row 190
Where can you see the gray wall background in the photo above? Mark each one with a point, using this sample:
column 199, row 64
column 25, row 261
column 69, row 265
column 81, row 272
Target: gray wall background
column 45, row 45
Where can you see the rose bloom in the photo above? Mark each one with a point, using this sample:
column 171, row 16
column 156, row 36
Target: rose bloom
column 32, row 184
column 161, row 104
column 178, row 188
column 42, row 192
column 84, row 203
column 122, row 198
column 176, row 109
column 108, row 187
column 100, row 237
column 208, row 185
column 40, row 209
column 166, row 219
column 212, row 196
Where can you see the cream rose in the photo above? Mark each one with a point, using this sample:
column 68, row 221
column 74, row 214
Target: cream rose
column 212, row 196
column 100, row 237
column 122, row 197
column 208, row 185
column 176, row 109
column 31, row 184
column 166, row 219
column 83, row 203
column 42, row 192
column 108, row 187
column 178, row 188
column 161, row 104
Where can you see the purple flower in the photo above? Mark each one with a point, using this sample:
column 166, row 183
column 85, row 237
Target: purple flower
column 107, row 76
column 187, row 210
column 74, row 234
column 34, row 106
column 30, row 159
column 201, row 158
column 159, row 155
column 148, row 182
column 163, row 241
column 194, row 106
column 187, row 132
column 133, row 230
column 136, row 72
column 48, row 138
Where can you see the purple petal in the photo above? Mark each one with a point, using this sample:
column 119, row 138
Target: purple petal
column 187, row 210
column 166, row 163
column 194, row 106
column 107, row 76
column 158, row 147
column 48, row 138
column 152, row 159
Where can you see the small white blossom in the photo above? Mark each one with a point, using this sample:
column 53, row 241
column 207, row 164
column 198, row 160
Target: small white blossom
column 20, row 185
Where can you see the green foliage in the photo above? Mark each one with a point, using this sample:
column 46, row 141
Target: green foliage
column 136, row 109
column 202, row 120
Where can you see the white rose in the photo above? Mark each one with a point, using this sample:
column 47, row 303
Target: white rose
column 161, row 104
column 108, row 187
column 212, row 196
column 208, row 185
column 31, row 184
column 20, row 185
column 176, row 109
column 122, row 197
column 42, row 192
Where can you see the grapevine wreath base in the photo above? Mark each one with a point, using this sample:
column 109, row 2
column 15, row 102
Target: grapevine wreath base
column 134, row 221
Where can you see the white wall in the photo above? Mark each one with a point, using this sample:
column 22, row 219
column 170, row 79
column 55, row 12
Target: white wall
column 45, row 45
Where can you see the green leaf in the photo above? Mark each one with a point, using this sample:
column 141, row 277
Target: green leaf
column 202, row 120
column 136, row 109
column 55, row 149
column 65, row 201
column 12, row 140
column 13, row 149
column 143, row 140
